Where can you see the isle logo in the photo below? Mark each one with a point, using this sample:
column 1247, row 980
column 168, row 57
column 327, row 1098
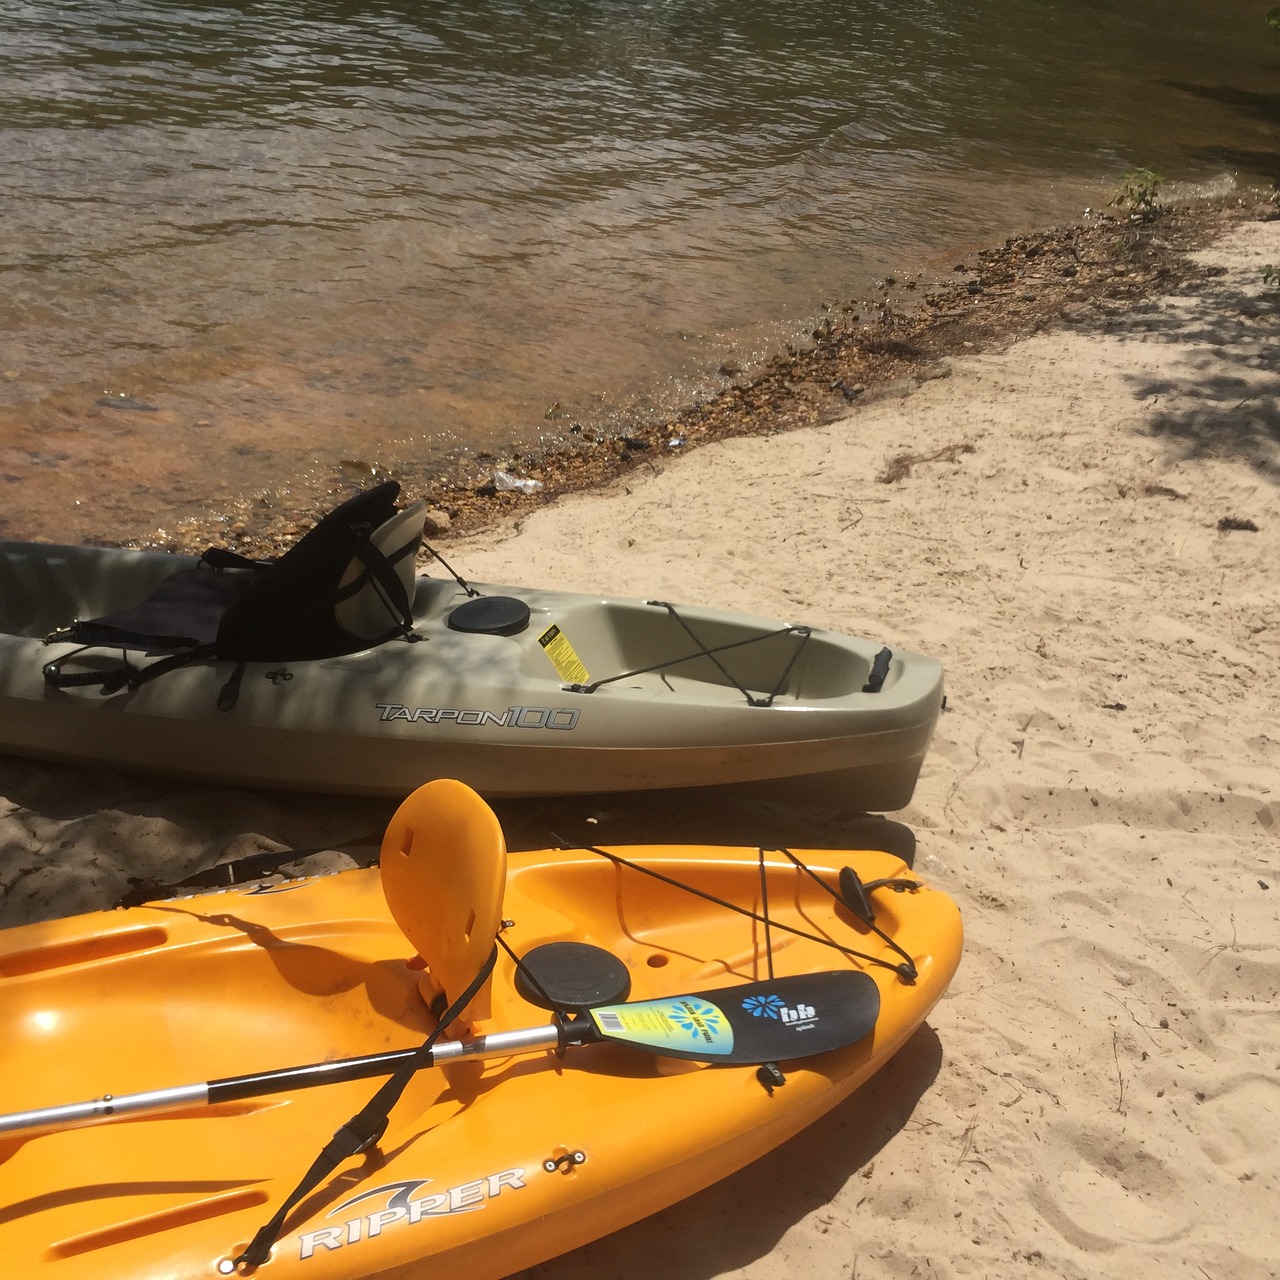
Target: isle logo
column 801, row 1013
column 771, row 1006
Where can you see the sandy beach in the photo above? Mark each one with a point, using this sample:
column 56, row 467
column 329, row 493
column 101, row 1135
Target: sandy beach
column 1084, row 527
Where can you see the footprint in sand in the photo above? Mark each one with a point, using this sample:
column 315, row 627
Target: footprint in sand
column 1110, row 1193
column 1239, row 1121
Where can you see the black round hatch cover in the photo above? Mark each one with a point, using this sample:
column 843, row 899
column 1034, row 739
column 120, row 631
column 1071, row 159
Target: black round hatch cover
column 491, row 616
column 572, row 976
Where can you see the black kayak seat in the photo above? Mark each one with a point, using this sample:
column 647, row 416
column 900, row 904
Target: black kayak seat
column 183, row 612
column 345, row 585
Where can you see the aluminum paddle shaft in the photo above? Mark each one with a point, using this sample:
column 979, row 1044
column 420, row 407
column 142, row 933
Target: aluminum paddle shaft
column 154, row 1102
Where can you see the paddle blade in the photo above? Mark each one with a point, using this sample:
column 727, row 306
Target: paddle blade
column 773, row 1021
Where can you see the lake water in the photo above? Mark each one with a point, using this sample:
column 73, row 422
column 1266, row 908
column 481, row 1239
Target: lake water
column 242, row 243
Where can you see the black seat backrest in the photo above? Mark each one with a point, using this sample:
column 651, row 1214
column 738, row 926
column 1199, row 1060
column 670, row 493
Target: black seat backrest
column 286, row 613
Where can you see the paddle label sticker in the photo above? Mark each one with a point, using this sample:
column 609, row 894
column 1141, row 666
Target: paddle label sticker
column 684, row 1025
column 563, row 656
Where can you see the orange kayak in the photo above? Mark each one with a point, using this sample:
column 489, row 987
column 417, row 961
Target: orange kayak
column 615, row 1029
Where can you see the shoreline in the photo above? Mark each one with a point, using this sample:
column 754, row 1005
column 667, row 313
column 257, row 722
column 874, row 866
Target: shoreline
column 1080, row 276
column 1083, row 524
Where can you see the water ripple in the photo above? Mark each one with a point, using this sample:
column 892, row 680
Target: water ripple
column 594, row 202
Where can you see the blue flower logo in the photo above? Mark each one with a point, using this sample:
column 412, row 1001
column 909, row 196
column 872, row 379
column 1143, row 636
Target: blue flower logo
column 700, row 1020
column 764, row 1006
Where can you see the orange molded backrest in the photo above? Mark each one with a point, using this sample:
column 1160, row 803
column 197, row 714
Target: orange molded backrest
column 444, row 872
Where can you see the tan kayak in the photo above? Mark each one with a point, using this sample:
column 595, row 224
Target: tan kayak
column 514, row 690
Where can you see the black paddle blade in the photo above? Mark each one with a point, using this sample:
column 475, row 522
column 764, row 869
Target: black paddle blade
column 773, row 1021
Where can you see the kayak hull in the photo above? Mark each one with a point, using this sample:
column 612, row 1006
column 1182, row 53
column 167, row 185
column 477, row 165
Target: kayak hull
column 595, row 694
column 491, row 1165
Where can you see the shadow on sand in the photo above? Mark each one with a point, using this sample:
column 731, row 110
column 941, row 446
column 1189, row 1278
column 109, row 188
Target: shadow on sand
column 740, row 1220
column 1227, row 382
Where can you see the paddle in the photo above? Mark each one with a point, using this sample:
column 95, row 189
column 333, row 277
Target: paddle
column 774, row 1021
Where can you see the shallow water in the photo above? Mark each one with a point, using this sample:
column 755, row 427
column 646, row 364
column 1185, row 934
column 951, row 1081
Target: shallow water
column 241, row 243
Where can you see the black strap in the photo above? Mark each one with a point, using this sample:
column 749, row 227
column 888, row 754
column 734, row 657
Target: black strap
column 111, row 679
column 381, row 572
column 364, row 1128
column 229, row 694
column 764, row 911
column 222, row 558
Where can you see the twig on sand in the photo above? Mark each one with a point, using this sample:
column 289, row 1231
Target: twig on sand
column 1218, row 948
column 966, row 1140
column 899, row 466
column 1115, row 1049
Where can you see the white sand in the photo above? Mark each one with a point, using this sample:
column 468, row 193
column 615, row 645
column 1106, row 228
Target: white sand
column 1098, row 1094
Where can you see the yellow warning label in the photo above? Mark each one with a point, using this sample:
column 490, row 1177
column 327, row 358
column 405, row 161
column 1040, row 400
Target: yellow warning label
column 562, row 655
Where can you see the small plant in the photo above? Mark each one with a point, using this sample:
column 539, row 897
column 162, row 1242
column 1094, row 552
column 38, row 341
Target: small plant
column 1273, row 20
column 1271, row 274
column 1139, row 193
